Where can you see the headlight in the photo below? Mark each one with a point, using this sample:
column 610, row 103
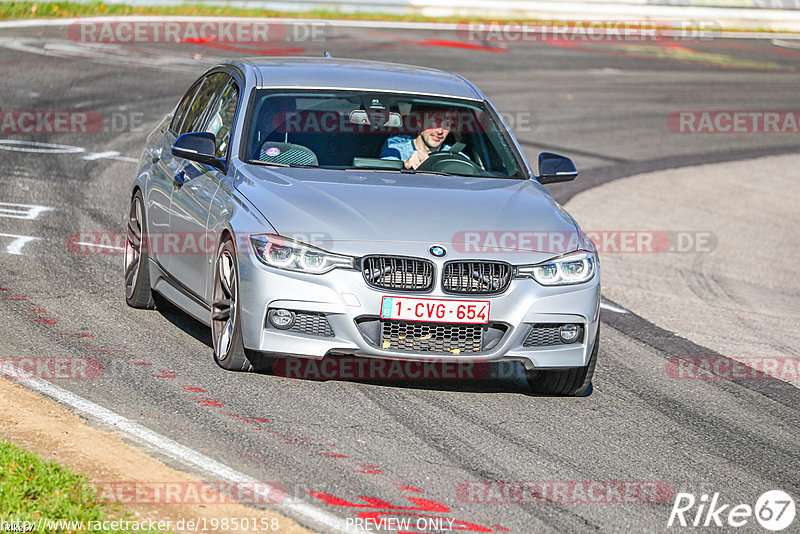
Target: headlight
column 574, row 268
column 284, row 253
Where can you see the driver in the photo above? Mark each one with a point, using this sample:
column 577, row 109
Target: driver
column 412, row 151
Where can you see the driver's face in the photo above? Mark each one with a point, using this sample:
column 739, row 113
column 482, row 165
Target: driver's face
column 433, row 137
column 436, row 128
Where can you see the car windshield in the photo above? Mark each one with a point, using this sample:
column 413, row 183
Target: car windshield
column 335, row 129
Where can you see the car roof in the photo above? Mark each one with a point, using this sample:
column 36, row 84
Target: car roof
column 336, row 73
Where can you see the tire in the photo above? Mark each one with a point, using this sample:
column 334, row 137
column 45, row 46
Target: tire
column 138, row 293
column 575, row 382
column 226, row 323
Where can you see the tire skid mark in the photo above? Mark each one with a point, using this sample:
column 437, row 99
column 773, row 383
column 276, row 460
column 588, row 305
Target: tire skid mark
column 467, row 463
column 86, row 341
column 376, row 507
column 750, row 47
column 12, row 296
column 253, row 456
column 249, row 50
column 157, row 417
column 405, row 487
column 441, row 43
column 668, row 52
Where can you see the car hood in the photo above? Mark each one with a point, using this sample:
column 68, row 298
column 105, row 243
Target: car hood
column 362, row 212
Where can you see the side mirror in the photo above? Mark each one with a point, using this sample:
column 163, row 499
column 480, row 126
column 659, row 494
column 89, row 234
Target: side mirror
column 554, row 169
column 200, row 147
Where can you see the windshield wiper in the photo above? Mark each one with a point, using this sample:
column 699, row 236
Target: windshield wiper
column 276, row 164
column 401, row 171
column 396, row 171
column 268, row 163
column 437, row 173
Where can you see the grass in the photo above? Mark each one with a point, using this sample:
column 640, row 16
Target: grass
column 29, row 10
column 31, row 488
column 33, row 10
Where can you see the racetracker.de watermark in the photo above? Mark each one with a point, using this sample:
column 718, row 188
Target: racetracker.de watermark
column 605, row 241
column 466, row 241
column 351, row 368
column 588, row 31
column 196, row 31
column 383, row 121
column 51, row 367
column 203, row 493
column 734, row 122
column 565, row 492
column 724, row 368
column 166, row 243
column 70, row 122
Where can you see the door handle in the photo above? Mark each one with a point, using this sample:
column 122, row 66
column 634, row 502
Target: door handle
column 156, row 154
column 180, row 178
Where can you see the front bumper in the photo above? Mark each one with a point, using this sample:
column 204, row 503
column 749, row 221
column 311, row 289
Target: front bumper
column 344, row 298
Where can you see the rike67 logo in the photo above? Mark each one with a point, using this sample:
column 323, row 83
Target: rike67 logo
column 774, row 510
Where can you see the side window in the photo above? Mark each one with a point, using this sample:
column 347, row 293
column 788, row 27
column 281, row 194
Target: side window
column 183, row 106
column 220, row 122
column 199, row 109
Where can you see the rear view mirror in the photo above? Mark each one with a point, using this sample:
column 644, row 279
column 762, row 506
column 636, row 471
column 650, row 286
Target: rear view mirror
column 554, row 169
column 198, row 146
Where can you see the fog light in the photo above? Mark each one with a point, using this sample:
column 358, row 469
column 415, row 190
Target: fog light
column 281, row 319
column 569, row 333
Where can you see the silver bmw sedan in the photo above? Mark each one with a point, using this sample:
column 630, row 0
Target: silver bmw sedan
column 315, row 208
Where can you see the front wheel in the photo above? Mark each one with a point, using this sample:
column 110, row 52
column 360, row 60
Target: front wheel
column 138, row 293
column 226, row 323
column 576, row 382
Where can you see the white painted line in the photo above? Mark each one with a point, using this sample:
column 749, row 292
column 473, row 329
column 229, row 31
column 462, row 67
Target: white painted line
column 99, row 155
column 385, row 24
column 183, row 454
column 785, row 44
column 109, row 155
column 112, row 247
column 19, row 241
column 29, row 212
column 15, row 145
column 370, row 24
column 105, row 53
column 112, row 154
column 612, row 308
column 125, row 158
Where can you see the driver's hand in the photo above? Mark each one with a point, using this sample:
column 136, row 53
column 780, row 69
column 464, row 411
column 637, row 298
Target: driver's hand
column 415, row 160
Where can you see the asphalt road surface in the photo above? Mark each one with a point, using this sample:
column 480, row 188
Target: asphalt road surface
column 396, row 447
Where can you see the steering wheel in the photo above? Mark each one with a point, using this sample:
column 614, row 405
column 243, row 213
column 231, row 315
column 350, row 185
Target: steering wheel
column 446, row 161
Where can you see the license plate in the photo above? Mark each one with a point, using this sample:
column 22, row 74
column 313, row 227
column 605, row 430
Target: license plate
column 435, row 310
